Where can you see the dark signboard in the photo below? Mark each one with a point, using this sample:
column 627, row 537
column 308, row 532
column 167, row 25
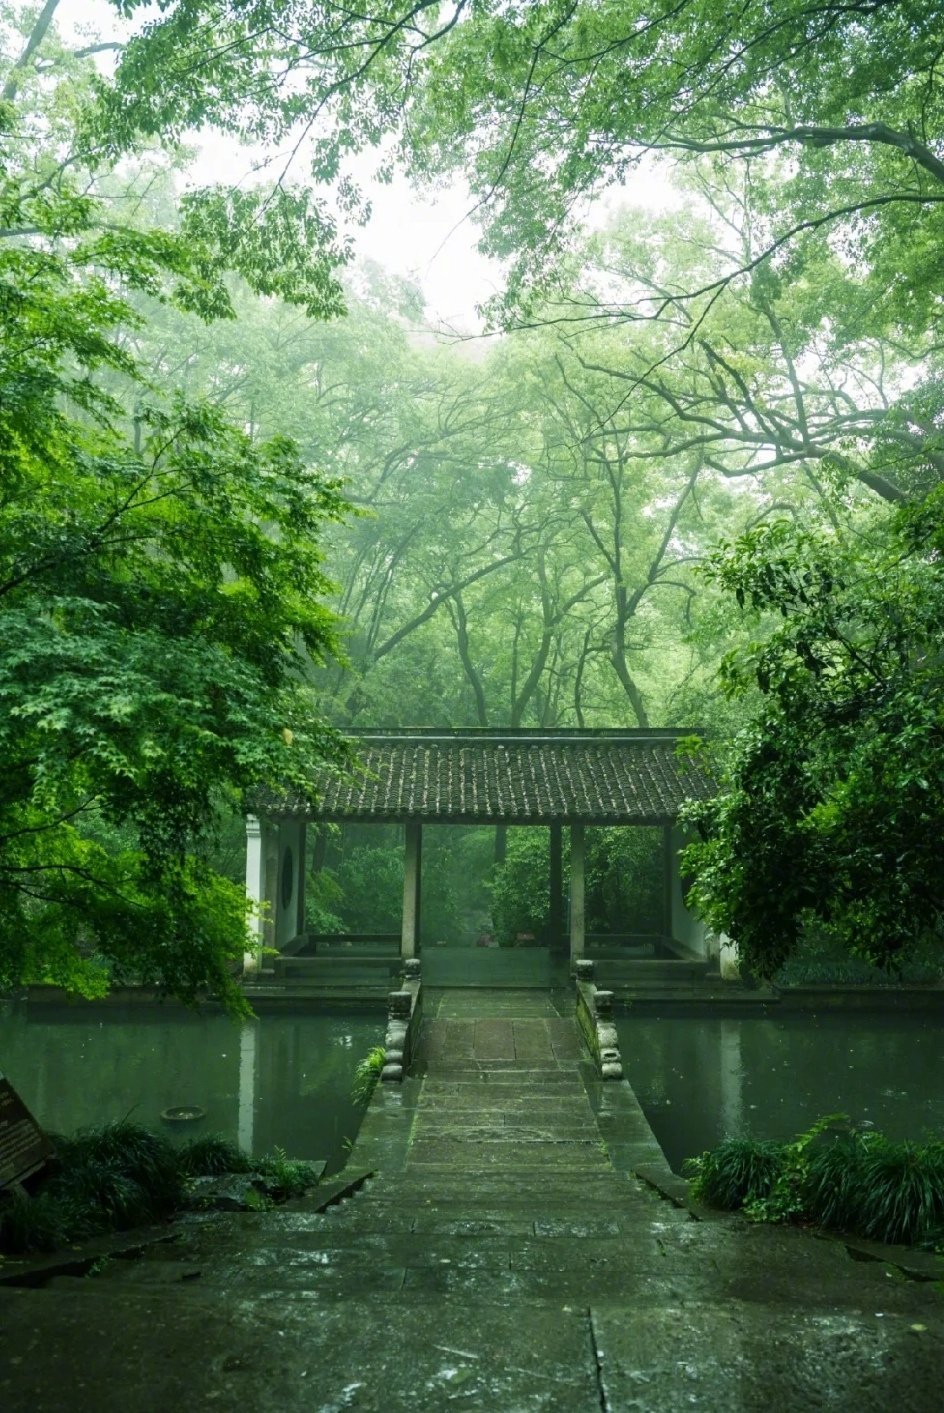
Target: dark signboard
column 23, row 1145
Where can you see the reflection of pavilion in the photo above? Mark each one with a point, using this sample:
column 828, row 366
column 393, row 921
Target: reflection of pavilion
column 559, row 779
column 246, row 1116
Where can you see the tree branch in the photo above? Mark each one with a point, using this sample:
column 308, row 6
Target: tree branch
column 812, row 136
column 37, row 35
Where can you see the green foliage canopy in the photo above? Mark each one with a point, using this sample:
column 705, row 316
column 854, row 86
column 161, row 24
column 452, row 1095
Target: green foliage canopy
column 543, row 102
column 833, row 798
column 161, row 589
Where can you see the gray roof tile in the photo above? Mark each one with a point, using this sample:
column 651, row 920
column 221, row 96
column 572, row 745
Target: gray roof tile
column 602, row 777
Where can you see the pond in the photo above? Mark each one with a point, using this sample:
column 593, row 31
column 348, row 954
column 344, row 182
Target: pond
column 279, row 1081
column 700, row 1078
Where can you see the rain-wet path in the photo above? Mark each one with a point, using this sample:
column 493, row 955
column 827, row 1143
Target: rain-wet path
column 502, row 1257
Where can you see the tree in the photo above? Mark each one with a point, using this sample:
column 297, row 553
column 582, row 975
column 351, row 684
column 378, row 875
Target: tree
column 548, row 101
column 832, row 797
column 795, row 371
column 542, row 102
column 160, row 585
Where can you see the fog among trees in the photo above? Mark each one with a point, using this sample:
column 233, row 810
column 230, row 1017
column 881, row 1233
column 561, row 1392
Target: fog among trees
column 689, row 473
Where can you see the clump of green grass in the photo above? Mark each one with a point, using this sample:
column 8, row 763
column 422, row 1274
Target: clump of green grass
column 900, row 1190
column 103, row 1179
column 863, row 1184
column 41, row 1223
column 288, row 1176
column 738, row 1171
column 116, row 1176
column 122, row 1175
column 212, row 1155
column 118, row 1158
column 831, row 1183
column 367, row 1074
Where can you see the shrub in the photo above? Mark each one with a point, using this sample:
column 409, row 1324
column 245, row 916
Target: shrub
column 820, row 958
column 212, row 1155
column 900, row 1189
column 287, row 1176
column 860, row 1183
column 40, row 1223
column 738, row 1171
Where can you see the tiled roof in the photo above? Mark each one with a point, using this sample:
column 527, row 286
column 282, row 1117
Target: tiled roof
column 602, row 777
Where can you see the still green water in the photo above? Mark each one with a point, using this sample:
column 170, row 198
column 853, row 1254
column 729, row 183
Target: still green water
column 701, row 1078
column 279, row 1081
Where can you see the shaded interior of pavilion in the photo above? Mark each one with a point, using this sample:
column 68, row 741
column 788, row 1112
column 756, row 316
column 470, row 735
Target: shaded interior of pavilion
column 567, row 782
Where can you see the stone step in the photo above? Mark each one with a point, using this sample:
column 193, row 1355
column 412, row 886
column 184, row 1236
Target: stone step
column 490, row 1205
column 557, row 1082
column 409, row 1243
column 481, row 1273
column 514, row 1129
column 558, row 1245
column 445, row 1152
column 487, row 1272
column 539, row 1182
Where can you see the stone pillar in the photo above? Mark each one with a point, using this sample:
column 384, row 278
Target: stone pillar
column 290, row 882
column 556, row 913
column 258, row 847
column 669, row 868
column 412, row 874
column 576, row 892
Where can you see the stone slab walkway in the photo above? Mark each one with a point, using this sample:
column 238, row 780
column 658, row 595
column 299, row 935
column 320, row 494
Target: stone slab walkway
column 502, row 1257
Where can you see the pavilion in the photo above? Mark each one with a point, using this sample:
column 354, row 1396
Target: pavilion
column 563, row 779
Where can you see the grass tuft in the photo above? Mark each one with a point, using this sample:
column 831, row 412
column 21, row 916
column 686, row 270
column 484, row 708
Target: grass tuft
column 901, row 1190
column 123, row 1175
column 738, row 1171
column 40, row 1223
column 367, row 1074
column 212, row 1155
column 863, row 1184
column 129, row 1151
column 289, row 1176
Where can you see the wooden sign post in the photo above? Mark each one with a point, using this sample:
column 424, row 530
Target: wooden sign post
column 24, row 1147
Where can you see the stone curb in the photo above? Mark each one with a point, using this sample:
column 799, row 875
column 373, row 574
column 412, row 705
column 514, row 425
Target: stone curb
column 77, row 1260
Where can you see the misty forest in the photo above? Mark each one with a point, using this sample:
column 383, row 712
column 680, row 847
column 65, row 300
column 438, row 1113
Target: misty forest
column 678, row 462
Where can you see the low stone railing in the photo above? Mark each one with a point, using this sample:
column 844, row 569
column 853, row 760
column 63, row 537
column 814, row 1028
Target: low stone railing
column 404, row 1015
column 595, row 1021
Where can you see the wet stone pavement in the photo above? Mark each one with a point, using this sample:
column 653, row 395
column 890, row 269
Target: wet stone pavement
column 501, row 1257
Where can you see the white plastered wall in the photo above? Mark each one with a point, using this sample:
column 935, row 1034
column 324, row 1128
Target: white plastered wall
column 687, row 928
column 275, row 885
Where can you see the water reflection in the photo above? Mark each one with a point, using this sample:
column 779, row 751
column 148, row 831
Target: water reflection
column 699, row 1078
column 246, row 1119
column 282, row 1080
